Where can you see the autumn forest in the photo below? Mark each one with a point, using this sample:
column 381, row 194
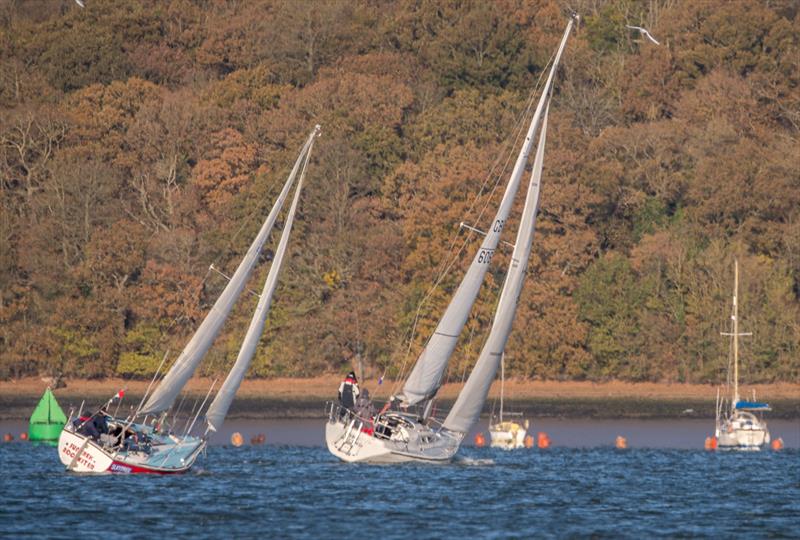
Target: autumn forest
column 142, row 141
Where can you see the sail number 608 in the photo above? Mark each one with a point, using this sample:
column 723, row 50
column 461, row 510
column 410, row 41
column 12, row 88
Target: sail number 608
column 485, row 256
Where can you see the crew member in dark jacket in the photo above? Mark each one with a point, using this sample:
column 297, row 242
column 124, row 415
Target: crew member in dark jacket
column 348, row 391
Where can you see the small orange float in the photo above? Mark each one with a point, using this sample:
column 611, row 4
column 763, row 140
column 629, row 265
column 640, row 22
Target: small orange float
column 480, row 440
column 528, row 441
column 237, row 439
column 777, row 444
column 8, row 437
column 621, row 442
column 258, row 439
column 543, row 441
column 710, row 443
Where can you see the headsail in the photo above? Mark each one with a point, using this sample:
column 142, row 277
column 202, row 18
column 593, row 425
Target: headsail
column 219, row 407
column 176, row 378
column 468, row 406
column 427, row 375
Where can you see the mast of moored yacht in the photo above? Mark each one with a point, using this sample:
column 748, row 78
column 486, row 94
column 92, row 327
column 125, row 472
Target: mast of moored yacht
column 735, row 333
column 502, row 382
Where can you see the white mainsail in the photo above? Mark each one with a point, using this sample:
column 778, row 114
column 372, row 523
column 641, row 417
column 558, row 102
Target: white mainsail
column 184, row 367
column 427, row 375
column 222, row 401
column 468, row 405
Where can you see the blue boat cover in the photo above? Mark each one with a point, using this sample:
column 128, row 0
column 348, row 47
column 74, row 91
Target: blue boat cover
column 752, row 406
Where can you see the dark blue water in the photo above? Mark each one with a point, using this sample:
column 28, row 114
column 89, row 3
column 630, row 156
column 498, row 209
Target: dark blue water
column 303, row 492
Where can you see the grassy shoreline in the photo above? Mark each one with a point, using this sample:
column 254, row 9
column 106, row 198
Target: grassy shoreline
column 305, row 398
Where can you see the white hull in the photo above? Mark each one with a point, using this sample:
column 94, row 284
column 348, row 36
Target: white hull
column 507, row 435
column 353, row 440
column 92, row 457
column 742, row 431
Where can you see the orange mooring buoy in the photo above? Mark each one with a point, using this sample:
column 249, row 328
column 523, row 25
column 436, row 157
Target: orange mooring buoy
column 237, row 439
column 480, row 440
column 710, row 443
column 543, row 441
column 621, row 442
column 777, row 444
column 528, row 441
column 258, row 439
column 8, row 437
column 23, row 436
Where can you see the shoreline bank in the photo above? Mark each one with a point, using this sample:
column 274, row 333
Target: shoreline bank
column 305, row 398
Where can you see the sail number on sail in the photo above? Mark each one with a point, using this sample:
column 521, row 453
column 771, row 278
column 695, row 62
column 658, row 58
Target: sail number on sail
column 485, row 256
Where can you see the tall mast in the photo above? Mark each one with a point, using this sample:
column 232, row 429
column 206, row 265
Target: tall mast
column 184, row 367
column 735, row 333
column 427, row 374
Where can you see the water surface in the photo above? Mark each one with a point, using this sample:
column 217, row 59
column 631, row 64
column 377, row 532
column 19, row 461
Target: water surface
column 301, row 491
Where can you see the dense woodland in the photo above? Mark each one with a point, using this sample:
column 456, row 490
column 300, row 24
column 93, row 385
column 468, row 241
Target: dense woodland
column 142, row 141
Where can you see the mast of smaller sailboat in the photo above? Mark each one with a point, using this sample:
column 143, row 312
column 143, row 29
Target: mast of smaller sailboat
column 427, row 375
column 184, row 367
column 222, row 402
column 502, row 382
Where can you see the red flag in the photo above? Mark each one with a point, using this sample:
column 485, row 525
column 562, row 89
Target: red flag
column 120, row 394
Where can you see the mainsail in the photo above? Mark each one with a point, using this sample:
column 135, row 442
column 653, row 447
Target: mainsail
column 176, row 378
column 427, row 375
column 219, row 407
column 468, row 406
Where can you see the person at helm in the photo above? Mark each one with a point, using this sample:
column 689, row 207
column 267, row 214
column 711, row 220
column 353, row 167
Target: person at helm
column 348, row 391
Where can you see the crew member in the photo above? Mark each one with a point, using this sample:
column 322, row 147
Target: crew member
column 348, row 391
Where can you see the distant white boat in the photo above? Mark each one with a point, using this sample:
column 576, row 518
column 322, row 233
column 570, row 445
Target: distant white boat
column 739, row 425
column 504, row 433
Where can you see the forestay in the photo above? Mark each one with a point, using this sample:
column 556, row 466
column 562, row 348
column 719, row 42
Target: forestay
column 468, row 406
column 222, row 401
column 427, row 375
column 176, row 378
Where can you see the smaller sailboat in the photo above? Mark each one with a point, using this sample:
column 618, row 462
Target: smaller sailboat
column 504, row 433
column 47, row 420
column 146, row 441
column 739, row 424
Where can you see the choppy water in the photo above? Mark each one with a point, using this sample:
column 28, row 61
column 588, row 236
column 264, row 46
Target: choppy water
column 282, row 491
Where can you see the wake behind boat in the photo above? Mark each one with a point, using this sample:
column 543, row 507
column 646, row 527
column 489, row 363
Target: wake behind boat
column 405, row 430
column 145, row 442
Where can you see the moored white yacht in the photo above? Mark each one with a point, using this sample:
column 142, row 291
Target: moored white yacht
column 504, row 433
column 740, row 427
column 406, row 429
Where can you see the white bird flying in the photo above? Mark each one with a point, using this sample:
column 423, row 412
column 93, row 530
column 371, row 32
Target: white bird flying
column 644, row 32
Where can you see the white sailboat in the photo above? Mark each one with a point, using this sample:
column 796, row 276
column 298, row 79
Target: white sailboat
column 739, row 425
column 408, row 431
column 504, row 433
column 145, row 442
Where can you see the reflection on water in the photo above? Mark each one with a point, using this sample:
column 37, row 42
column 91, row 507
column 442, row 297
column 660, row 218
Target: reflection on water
column 564, row 432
